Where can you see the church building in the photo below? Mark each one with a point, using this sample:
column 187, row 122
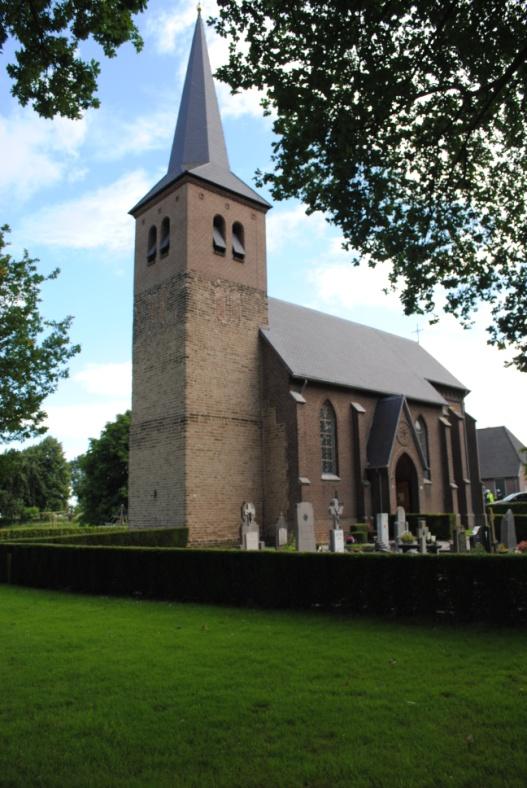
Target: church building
column 241, row 397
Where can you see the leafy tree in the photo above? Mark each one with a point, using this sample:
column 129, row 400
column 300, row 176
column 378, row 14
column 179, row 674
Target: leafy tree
column 49, row 71
column 48, row 476
column 33, row 351
column 100, row 477
column 406, row 123
column 36, row 477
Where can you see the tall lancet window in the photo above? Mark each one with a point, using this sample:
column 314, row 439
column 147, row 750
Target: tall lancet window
column 238, row 241
column 218, row 234
column 328, row 439
column 151, row 249
column 422, row 439
column 164, row 243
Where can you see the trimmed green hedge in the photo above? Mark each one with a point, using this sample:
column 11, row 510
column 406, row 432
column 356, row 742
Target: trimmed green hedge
column 458, row 588
column 129, row 537
column 441, row 525
column 499, row 507
column 37, row 532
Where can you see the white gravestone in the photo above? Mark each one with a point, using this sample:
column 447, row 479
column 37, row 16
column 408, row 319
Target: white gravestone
column 400, row 522
column 250, row 533
column 336, row 534
column 280, row 531
column 336, row 540
column 381, row 522
column 305, row 528
column 508, row 531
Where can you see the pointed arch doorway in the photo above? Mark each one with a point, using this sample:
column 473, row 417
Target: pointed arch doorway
column 406, row 484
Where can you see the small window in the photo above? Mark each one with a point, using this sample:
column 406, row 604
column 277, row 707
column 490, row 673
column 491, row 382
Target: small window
column 238, row 241
column 164, row 244
column 152, row 245
column 218, row 235
column 422, row 439
column 328, row 439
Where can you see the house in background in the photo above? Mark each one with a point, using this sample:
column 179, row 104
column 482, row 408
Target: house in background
column 502, row 462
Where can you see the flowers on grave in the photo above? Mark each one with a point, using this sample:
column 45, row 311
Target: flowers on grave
column 502, row 549
column 522, row 547
column 408, row 537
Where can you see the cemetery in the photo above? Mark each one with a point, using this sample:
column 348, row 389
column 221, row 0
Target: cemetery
column 395, row 569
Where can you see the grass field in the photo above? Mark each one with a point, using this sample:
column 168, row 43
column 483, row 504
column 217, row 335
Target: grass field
column 103, row 692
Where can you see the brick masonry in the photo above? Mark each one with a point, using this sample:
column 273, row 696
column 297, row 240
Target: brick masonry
column 214, row 423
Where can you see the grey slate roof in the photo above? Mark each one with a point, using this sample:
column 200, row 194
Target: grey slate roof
column 199, row 145
column 321, row 347
column 499, row 453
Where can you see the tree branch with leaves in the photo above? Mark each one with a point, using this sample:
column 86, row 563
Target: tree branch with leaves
column 33, row 351
column 406, row 125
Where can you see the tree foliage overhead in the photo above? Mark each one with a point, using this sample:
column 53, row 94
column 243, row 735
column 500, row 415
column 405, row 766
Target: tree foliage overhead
column 406, row 124
column 49, row 72
column 33, row 351
column 100, row 477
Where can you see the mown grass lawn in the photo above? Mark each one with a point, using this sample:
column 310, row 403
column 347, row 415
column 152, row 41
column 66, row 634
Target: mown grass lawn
column 103, row 692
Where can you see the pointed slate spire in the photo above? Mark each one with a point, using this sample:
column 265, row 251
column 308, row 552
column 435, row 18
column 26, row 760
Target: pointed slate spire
column 199, row 145
column 199, row 134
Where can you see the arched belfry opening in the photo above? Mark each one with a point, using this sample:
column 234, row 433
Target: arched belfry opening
column 406, row 484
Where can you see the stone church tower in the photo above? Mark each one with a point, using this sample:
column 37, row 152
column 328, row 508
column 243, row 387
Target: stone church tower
column 200, row 297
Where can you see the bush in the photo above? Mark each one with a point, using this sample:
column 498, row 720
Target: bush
column 359, row 532
column 457, row 588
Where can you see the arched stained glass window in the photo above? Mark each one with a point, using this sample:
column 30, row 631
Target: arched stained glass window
column 328, row 439
column 422, row 438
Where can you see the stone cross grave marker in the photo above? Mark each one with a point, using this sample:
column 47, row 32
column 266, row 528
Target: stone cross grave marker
column 250, row 533
column 280, row 530
column 383, row 536
column 508, row 531
column 305, row 528
column 336, row 534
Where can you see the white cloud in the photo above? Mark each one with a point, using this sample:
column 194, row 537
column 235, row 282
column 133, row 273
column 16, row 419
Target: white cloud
column 96, row 219
column 293, row 226
column 38, row 152
column 114, row 138
column 172, row 31
column 73, row 425
column 107, row 380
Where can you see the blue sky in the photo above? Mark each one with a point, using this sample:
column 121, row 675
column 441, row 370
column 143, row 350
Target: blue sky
column 65, row 190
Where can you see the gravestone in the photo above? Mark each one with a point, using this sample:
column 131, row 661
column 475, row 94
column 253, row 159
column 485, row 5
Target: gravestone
column 422, row 544
column 459, row 541
column 422, row 529
column 280, row 531
column 249, row 532
column 400, row 522
column 508, row 531
column 336, row 540
column 336, row 534
column 383, row 536
column 305, row 528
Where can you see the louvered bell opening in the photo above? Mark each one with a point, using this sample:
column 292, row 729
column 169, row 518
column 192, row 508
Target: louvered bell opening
column 164, row 245
column 218, row 235
column 238, row 247
column 152, row 245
